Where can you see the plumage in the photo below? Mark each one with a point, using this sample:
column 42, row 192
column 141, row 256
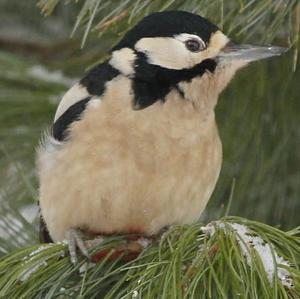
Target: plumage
column 61, row 125
column 135, row 146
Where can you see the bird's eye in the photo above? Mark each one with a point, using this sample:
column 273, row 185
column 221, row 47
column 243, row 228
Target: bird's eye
column 194, row 45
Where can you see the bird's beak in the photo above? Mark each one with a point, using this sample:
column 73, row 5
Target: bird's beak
column 249, row 53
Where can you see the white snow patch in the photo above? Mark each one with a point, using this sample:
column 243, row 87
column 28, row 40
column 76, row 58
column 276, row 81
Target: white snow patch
column 27, row 273
column 270, row 259
column 135, row 294
column 40, row 249
column 42, row 73
column 29, row 258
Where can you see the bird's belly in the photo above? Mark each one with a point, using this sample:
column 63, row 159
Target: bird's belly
column 138, row 184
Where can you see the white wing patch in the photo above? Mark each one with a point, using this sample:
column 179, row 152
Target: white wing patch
column 73, row 95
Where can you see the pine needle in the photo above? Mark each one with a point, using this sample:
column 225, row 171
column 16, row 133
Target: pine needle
column 230, row 258
column 239, row 17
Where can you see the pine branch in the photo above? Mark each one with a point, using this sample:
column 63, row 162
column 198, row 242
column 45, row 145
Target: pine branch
column 259, row 20
column 230, row 258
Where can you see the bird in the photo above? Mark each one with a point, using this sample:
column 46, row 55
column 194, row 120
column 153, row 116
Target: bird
column 134, row 145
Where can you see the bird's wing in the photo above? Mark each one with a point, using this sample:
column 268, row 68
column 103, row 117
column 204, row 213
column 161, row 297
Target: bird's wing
column 75, row 101
column 61, row 124
column 69, row 109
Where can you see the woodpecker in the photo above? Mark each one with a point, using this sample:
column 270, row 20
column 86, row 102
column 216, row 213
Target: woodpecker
column 134, row 145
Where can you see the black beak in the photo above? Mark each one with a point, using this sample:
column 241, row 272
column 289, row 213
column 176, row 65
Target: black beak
column 249, row 53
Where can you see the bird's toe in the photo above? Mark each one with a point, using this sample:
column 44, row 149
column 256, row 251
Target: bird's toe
column 75, row 241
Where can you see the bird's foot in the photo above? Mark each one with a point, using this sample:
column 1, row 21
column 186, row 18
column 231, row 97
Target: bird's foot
column 75, row 241
column 127, row 251
column 130, row 249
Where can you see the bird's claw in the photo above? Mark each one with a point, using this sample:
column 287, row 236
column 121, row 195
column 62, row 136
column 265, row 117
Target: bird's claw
column 133, row 247
column 75, row 240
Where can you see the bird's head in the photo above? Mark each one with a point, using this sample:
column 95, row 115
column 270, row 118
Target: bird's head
column 177, row 50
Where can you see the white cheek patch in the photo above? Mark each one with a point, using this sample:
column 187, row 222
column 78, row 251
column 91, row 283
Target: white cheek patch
column 167, row 52
column 171, row 52
column 73, row 95
column 123, row 60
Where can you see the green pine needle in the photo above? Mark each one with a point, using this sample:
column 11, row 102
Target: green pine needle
column 239, row 18
column 186, row 263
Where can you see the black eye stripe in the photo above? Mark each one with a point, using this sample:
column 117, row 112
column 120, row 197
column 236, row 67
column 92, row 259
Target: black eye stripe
column 194, row 45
